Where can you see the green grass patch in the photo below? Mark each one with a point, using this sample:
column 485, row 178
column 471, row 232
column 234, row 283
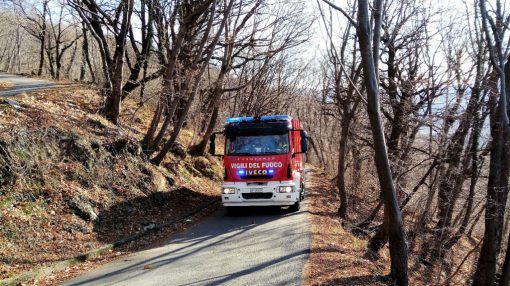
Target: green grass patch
column 9, row 230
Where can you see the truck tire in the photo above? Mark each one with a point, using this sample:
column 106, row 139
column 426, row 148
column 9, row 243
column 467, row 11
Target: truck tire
column 295, row 207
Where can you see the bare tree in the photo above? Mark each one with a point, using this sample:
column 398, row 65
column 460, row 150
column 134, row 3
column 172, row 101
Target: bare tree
column 34, row 21
column 115, row 19
column 191, row 21
column 199, row 68
column 61, row 37
column 251, row 43
column 85, row 56
column 369, row 52
column 344, row 86
column 497, row 188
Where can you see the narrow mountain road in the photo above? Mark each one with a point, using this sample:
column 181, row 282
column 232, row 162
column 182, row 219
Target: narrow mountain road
column 22, row 84
column 258, row 246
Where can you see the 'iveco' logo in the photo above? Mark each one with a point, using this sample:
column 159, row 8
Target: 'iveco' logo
column 256, row 172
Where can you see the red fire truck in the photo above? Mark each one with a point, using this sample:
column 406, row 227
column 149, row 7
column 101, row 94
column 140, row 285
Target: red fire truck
column 264, row 161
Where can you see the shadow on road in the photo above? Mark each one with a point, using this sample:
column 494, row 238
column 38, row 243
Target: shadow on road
column 218, row 241
column 133, row 215
column 258, row 211
column 218, row 280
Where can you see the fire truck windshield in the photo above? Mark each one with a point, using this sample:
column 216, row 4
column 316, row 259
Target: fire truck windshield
column 258, row 145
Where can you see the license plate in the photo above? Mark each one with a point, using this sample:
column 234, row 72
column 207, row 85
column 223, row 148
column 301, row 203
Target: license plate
column 256, row 190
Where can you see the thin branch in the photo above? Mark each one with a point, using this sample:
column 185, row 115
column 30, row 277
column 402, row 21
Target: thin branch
column 341, row 11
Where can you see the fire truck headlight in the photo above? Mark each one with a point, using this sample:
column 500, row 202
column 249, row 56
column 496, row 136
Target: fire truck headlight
column 229, row 190
column 286, row 189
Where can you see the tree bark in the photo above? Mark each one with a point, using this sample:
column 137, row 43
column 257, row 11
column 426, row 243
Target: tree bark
column 356, row 170
column 41, row 53
column 505, row 271
column 475, row 222
column 167, row 88
column 114, row 96
column 202, row 146
column 196, row 84
column 396, row 233
column 342, row 152
column 216, row 100
column 497, row 186
column 86, row 57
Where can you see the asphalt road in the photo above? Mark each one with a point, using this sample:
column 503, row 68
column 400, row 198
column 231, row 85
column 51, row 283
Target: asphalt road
column 22, row 84
column 258, row 246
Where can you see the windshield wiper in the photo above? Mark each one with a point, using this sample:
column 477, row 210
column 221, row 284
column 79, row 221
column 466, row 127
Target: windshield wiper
column 240, row 154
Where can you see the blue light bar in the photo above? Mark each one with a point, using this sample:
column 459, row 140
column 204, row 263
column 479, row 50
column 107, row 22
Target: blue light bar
column 262, row 118
column 270, row 171
column 239, row 119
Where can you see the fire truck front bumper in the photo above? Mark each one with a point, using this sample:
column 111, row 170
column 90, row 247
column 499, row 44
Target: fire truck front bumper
column 280, row 193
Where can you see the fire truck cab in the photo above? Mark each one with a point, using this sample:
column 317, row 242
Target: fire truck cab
column 264, row 161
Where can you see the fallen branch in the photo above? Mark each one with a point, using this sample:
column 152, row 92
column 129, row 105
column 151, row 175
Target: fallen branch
column 447, row 281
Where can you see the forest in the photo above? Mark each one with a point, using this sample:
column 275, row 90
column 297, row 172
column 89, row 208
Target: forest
column 405, row 102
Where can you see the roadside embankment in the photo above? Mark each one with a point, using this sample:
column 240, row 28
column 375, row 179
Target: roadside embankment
column 71, row 182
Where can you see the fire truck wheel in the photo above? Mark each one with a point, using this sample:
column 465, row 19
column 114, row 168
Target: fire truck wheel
column 295, row 207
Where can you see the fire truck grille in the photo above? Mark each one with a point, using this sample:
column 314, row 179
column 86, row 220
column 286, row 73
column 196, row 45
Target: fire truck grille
column 257, row 196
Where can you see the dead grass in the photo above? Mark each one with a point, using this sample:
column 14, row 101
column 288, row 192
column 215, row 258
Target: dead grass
column 56, row 145
column 337, row 257
column 5, row 84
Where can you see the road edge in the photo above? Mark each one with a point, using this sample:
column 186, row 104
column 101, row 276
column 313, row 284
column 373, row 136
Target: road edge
column 60, row 265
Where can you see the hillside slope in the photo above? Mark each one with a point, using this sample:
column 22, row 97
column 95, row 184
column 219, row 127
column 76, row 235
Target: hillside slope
column 338, row 257
column 70, row 181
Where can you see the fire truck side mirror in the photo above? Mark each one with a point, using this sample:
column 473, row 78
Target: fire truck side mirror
column 212, row 144
column 304, row 141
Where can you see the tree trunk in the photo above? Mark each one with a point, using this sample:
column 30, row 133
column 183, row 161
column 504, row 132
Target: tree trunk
column 497, row 189
column 497, row 186
column 342, row 152
column 71, row 62
column 113, row 101
column 216, row 100
column 356, row 170
column 474, row 174
column 167, row 90
column 41, row 54
column 18, row 48
column 180, row 122
column 475, row 222
column 317, row 154
column 451, row 181
column 196, row 84
column 396, row 233
column 149, row 135
column 505, row 271
column 168, row 119
column 10, row 63
column 42, row 38
column 202, row 146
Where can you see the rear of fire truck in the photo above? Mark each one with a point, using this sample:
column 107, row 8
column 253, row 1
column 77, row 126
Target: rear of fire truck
column 264, row 161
